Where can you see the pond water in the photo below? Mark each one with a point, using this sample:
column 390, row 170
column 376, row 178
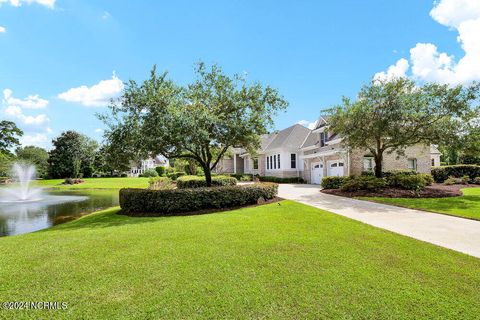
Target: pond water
column 24, row 217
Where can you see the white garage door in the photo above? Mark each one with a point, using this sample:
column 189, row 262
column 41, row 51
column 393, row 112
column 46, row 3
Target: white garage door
column 317, row 172
column 335, row 168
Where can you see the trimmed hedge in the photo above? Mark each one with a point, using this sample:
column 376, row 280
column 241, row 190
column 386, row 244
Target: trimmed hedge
column 440, row 174
column 281, row 180
column 333, row 182
column 144, row 202
column 242, row 176
column 367, row 183
column 185, row 182
column 409, row 180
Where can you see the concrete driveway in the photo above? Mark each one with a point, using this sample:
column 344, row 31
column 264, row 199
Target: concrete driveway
column 450, row 232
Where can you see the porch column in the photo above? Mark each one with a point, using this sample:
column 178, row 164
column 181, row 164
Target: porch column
column 234, row 163
column 325, row 172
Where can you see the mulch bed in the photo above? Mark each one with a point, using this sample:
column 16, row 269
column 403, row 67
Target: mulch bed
column 436, row 190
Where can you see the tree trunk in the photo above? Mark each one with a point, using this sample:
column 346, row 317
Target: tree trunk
column 208, row 175
column 378, row 165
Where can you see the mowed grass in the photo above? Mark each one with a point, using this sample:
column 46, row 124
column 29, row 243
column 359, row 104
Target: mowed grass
column 97, row 183
column 283, row 261
column 466, row 206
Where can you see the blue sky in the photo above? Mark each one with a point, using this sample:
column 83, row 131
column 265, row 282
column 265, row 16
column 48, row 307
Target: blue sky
column 312, row 51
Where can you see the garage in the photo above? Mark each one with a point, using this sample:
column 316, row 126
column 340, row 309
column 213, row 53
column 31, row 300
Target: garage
column 335, row 168
column 316, row 172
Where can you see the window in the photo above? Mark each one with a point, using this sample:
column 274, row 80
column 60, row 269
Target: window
column 255, row 164
column 271, row 162
column 368, row 164
column 278, row 160
column 323, row 138
column 293, row 160
column 340, row 164
column 433, row 162
column 275, row 161
column 268, row 163
column 412, row 164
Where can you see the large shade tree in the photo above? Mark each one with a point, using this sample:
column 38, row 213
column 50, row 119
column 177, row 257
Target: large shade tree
column 73, row 155
column 389, row 116
column 198, row 121
column 9, row 136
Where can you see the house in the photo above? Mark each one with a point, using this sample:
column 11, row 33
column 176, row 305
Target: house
column 279, row 155
column 324, row 155
column 139, row 167
column 435, row 155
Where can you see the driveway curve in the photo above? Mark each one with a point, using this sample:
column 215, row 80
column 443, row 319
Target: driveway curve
column 454, row 233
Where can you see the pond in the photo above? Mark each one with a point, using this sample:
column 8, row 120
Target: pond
column 24, row 217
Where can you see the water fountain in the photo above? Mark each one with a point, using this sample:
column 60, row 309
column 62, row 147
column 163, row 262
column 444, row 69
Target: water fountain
column 22, row 191
column 25, row 207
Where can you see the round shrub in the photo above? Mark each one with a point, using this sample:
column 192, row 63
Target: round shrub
column 144, row 202
column 367, row 183
column 409, row 180
column 160, row 170
column 333, row 182
column 199, row 182
column 149, row 173
column 175, row 175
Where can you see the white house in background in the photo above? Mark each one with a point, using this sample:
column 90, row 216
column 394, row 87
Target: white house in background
column 278, row 156
column 139, row 167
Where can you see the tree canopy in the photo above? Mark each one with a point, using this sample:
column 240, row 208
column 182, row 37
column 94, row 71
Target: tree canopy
column 73, row 155
column 9, row 136
column 36, row 156
column 198, row 121
column 389, row 116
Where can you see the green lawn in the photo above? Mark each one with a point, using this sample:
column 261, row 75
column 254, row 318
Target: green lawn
column 282, row 261
column 97, row 183
column 467, row 206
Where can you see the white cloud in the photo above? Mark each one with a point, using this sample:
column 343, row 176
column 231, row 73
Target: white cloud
column 397, row 70
column 428, row 64
column 36, row 139
column 98, row 130
column 306, row 123
column 17, row 3
column 106, row 15
column 30, row 102
column 98, row 95
column 3, row 29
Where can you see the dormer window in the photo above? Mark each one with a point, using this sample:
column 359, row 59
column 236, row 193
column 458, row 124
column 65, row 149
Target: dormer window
column 323, row 138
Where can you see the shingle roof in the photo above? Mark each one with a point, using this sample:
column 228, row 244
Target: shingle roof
column 434, row 149
column 311, row 140
column 290, row 138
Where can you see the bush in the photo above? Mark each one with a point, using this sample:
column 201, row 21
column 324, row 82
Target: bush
column 281, row 180
column 179, row 201
column 73, row 181
column 440, row 174
column 367, row 183
column 123, row 175
column 476, row 180
column 454, row 180
column 408, row 180
column 149, row 173
column 160, row 183
column 333, row 182
column 241, row 176
column 175, row 175
column 160, row 170
column 199, row 182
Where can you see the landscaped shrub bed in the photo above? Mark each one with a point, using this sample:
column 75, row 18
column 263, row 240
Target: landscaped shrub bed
column 440, row 174
column 281, row 180
column 333, row 182
column 199, row 182
column 242, row 177
column 160, row 183
column 407, row 180
column 144, row 202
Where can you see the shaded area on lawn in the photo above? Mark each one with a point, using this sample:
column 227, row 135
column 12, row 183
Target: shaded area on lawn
column 466, row 206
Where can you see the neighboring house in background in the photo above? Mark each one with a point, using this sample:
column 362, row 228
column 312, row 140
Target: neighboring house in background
column 139, row 167
column 325, row 155
column 279, row 155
